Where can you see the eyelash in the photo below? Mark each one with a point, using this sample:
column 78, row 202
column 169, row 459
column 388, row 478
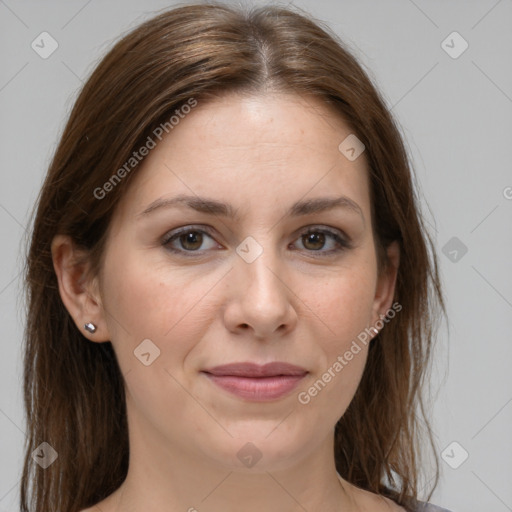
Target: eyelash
column 343, row 243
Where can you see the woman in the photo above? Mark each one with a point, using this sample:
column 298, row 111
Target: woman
column 231, row 294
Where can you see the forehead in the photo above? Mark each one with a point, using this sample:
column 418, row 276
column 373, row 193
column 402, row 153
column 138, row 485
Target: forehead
column 252, row 151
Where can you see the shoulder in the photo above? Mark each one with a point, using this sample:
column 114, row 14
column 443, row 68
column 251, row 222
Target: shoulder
column 367, row 500
column 374, row 502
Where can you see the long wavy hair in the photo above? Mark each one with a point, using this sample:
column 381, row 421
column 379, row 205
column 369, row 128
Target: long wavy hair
column 73, row 389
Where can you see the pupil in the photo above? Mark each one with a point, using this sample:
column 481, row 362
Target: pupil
column 318, row 237
column 192, row 238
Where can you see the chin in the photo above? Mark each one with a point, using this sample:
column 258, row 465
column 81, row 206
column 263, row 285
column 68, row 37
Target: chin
column 255, row 451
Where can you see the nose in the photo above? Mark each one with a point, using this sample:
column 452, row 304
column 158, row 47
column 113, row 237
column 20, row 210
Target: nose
column 260, row 300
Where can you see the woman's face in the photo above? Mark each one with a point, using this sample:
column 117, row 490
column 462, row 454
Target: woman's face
column 243, row 282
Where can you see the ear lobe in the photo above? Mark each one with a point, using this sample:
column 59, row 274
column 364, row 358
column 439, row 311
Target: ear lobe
column 386, row 282
column 79, row 293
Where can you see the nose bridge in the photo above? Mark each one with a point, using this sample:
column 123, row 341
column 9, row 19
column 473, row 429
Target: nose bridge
column 261, row 299
column 258, row 265
column 261, row 290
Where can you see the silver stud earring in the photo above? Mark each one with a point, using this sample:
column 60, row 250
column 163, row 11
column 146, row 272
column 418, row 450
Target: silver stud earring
column 90, row 327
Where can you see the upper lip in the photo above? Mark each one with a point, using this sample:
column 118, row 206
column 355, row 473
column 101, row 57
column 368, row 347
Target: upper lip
column 257, row 370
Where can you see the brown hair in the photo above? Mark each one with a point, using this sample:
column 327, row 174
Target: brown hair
column 73, row 389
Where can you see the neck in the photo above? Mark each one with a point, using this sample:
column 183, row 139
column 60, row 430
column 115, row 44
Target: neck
column 164, row 477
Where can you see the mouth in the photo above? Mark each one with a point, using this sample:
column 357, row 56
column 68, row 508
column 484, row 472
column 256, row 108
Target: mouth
column 260, row 383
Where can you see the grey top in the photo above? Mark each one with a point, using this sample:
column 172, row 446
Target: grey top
column 428, row 507
column 421, row 506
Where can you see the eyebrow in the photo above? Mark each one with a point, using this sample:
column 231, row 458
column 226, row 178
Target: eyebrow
column 218, row 208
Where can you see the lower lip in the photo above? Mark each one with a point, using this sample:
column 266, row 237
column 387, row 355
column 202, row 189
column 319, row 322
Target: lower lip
column 259, row 389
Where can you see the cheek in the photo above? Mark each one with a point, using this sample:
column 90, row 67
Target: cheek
column 343, row 358
column 327, row 395
column 150, row 302
column 343, row 303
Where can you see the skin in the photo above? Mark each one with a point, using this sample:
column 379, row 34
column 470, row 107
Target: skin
column 261, row 154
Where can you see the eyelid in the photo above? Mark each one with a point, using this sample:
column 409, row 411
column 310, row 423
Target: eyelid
column 185, row 229
column 176, row 233
column 341, row 238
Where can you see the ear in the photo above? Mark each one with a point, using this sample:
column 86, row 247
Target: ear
column 386, row 281
column 79, row 293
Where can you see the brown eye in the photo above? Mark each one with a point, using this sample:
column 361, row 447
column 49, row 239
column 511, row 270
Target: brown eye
column 313, row 241
column 191, row 241
column 325, row 242
column 188, row 241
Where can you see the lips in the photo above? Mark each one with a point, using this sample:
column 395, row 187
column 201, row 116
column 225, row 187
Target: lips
column 257, row 382
column 255, row 370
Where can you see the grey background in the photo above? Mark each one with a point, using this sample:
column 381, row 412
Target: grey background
column 456, row 116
